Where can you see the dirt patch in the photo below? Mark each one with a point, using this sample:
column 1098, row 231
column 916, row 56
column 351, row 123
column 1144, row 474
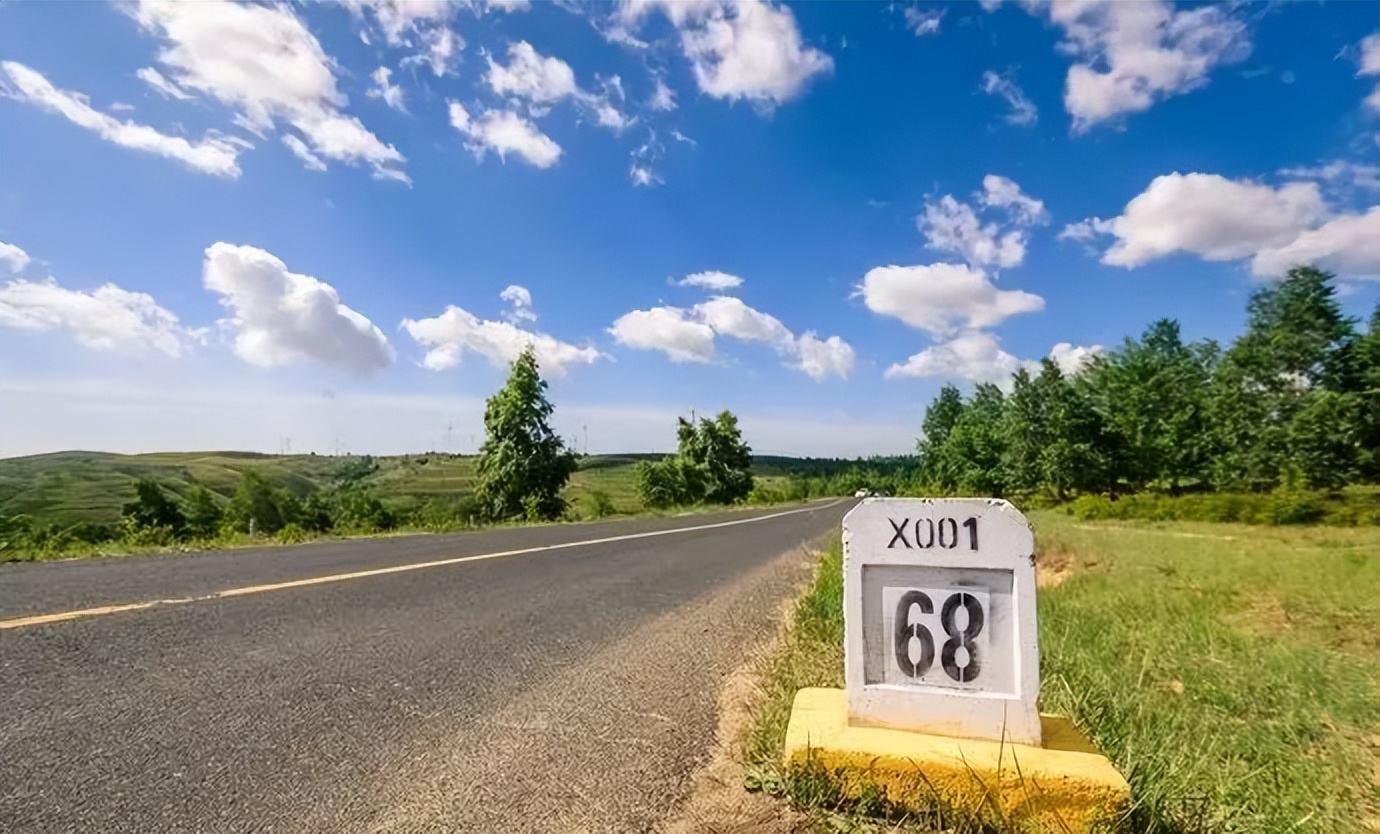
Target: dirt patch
column 717, row 802
column 1052, row 568
column 1262, row 614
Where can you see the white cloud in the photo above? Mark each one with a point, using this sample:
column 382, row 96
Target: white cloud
column 1132, row 54
column 729, row 316
column 456, row 332
column 1370, row 65
column 161, row 84
column 392, row 94
column 504, row 132
column 301, row 151
column 710, row 280
column 667, row 329
column 1085, row 231
column 821, row 357
column 1339, row 175
column 642, row 175
column 531, row 76
column 264, row 62
column 1071, row 359
column 1023, row 110
column 1219, row 219
column 941, row 298
column 663, row 97
column 215, row 154
column 14, row 258
column 508, row 5
column 414, row 24
column 278, row 317
column 1348, row 244
column 687, row 335
column 923, row 23
column 951, row 226
column 971, row 355
column 108, row 318
column 520, row 299
column 738, row 49
column 1004, row 193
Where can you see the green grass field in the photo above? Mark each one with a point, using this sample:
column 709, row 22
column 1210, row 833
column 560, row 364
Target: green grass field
column 1231, row 672
column 71, row 487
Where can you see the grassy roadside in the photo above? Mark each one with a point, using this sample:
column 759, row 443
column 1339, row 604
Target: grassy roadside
column 237, row 541
column 1229, row 671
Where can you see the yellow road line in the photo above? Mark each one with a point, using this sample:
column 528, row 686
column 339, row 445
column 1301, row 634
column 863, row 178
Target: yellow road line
column 103, row 610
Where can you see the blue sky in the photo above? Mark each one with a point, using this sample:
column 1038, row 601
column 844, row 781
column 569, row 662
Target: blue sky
column 247, row 226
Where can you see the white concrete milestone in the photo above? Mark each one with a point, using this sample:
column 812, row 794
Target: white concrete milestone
column 939, row 618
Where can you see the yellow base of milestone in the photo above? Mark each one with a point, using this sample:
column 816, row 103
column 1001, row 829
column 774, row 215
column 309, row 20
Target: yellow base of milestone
column 1064, row 786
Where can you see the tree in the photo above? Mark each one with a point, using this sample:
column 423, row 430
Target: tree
column 523, row 465
column 976, row 445
column 1153, row 394
column 202, row 512
column 151, row 509
column 1368, row 361
column 256, row 506
column 1296, row 342
column 712, row 463
column 938, row 464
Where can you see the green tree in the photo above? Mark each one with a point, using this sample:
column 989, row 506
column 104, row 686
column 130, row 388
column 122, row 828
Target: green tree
column 152, row 508
column 1368, row 362
column 975, row 447
column 202, row 512
column 1296, row 342
column 256, row 506
column 1153, row 393
column 1322, row 440
column 725, row 458
column 523, row 465
column 940, row 465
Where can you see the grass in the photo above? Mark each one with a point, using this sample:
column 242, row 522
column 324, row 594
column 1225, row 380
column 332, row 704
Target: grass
column 1229, row 671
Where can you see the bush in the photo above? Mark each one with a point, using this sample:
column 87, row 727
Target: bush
column 440, row 516
column 1289, row 506
column 1091, row 508
column 600, row 504
column 1283, row 506
column 291, row 534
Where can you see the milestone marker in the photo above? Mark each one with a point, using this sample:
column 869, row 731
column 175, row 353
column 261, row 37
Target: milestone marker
column 941, row 667
column 939, row 618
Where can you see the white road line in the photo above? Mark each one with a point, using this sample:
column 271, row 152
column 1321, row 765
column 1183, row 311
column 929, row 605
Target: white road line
column 63, row 616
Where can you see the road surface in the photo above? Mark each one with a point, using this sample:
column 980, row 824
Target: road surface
column 543, row 679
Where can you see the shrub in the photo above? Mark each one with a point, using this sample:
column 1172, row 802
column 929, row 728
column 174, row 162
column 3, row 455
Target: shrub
column 1288, row 506
column 1091, row 507
column 291, row 534
column 600, row 504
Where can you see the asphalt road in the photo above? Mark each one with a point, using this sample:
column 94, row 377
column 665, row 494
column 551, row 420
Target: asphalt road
column 564, row 687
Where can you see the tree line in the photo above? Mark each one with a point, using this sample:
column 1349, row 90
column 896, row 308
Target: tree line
column 1293, row 403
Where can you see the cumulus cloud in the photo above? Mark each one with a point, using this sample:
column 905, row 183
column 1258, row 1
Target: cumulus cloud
column 214, row 154
column 1004, row 193
column 422, row 25
column 667, row 329
column 663, row 97
column 1023, row 110
column 1133, row 54
column 971, row 355
column 13, row 258
column 384, row 88
column 531, row 76
column 923, row 22
column 276, row 317
column 687, row 335
column 520, row 302
column 1370, row 65
column 1219, row 219
column 738, row 49
column 455, row 332
column 711, row 280
column 263, row 62
column 107, row 318
column 942, row 298
column 540, row 81
column 1072, row 359
column 953, row 226
column 504, row 132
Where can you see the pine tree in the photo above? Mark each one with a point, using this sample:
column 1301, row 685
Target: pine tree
column 523, row 465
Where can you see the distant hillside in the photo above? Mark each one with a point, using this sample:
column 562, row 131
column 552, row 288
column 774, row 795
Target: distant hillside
column 70, row 487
